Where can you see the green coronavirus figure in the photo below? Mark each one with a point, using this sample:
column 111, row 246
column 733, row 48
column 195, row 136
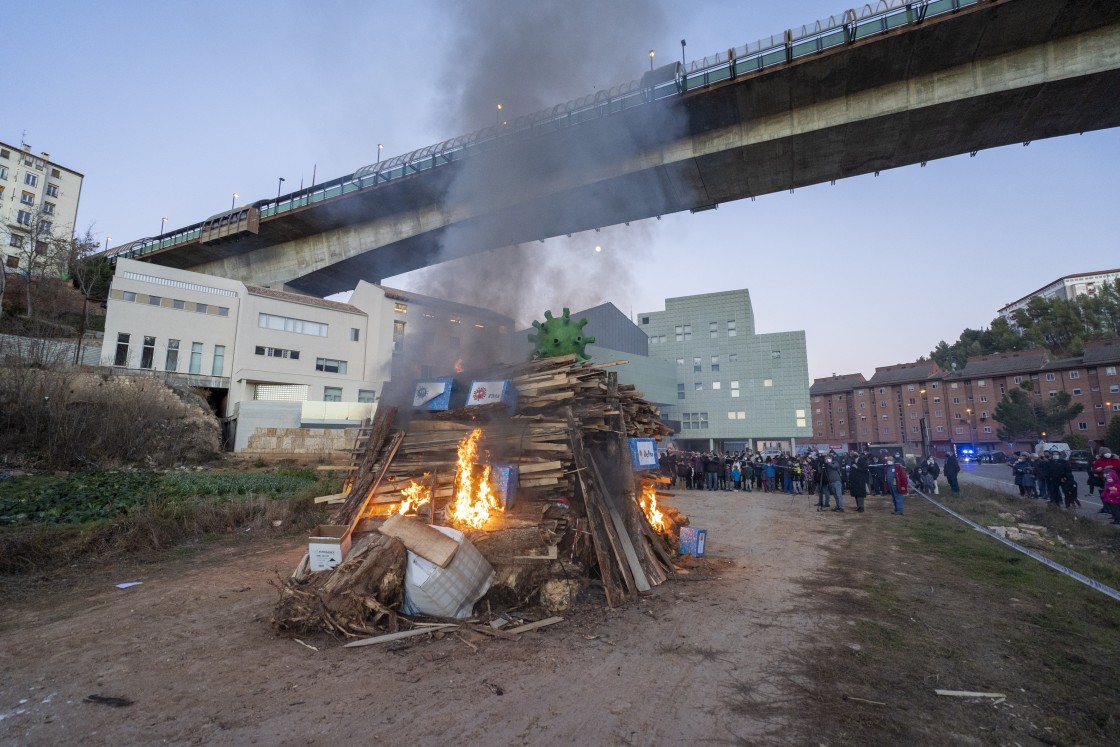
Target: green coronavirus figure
column 560, row 336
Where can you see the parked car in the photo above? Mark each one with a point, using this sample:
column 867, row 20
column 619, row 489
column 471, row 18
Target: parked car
column 1080, row 459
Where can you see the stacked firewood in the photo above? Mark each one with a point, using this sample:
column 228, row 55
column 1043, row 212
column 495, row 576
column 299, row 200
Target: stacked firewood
column 576, row 511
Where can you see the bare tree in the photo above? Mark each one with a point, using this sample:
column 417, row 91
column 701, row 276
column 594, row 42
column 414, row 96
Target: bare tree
column 91, row 274
column 42, row 250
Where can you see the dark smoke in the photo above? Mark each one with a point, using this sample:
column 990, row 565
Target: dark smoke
column 530, row 56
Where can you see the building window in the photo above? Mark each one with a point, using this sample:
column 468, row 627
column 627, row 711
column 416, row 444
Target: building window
column 953, row 385
column 355, row 334
column 936, row 400
column 332, row 394
column 219, row 360
column 366, row 396
column 1082, row 426
column 776, row 354
column 45, row 227
column 48, row 208
column 400, row 308
column 121, row 358
column 1110, row 371
column 983, row 398
column 768, row 382
column 196, row 358
column 27, row 198
column 713, row 329
column 715, row 385
column 3, row 172
column 1053, row 394
column 732, row 357
column 694, row 421
column 715, row 363
column 940, row 429
column 330, row 365
column 731, row 331
column 734, row 388
column 52, row 190
column 959, row 431
column 680, row 391
column 1113, row 388
column 1075, row 374
column 398, row 336
column 281, row 392
column 1050, row 376
column 17, row 241
column 154, row 300
column 12, row 262
column 1076, row 392
column 698, row 386
column 23, row 218
column 223, row 311
column 863, row 405
column 956, row 400
column 201, row 308
column 31, row 180
column 276, row 352
column 178, row 304
column 288, row 324
column 148, row 352
column 883, row 404
column 645, row 320
column 171, row 363
column 696, row 365
column 680, row 361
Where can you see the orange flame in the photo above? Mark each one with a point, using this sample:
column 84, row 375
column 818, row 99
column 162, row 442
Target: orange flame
column 474, row 497
column 649, row 505
column 414, row 495
column 459, row 366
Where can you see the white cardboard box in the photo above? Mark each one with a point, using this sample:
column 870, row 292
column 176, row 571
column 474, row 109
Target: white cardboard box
column 327, row 546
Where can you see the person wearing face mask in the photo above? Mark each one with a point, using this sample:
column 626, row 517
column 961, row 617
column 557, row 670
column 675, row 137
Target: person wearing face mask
column 896, row 482
column 832, row 480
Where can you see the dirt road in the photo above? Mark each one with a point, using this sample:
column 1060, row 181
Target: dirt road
column 699, row 660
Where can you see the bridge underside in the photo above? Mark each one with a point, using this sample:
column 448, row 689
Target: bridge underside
column 1001, row 73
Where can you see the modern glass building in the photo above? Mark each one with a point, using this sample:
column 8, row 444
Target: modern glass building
column 735, row 389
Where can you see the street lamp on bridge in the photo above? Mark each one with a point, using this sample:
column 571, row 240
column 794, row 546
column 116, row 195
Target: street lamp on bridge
column 279, row 184
column 651, row 59
column 162, row 224
column 107, row 238
column 233, row 202
column 381, row 146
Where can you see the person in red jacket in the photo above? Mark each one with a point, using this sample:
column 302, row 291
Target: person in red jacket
column 1106, row 460
column 897, row 483
column 1110, row 493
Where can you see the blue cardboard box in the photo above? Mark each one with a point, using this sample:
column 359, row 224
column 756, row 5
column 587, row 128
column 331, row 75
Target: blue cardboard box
column 491, row 392
column 434, row 394
column 643, row 453
column 693, row 541
column 504, row 478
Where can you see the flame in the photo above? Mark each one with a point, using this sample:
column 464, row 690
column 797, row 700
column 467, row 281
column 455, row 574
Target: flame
column 474, row 497
column 649, row 505
column 459, row 366
column 414, row 495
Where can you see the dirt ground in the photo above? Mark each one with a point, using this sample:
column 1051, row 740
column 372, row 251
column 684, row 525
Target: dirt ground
column 763, row 642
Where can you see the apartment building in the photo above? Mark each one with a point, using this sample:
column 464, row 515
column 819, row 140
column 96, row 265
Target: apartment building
column 1067, row 287
column 37, row 195
column 735, row 388
column 271, row 358
column 959, row 406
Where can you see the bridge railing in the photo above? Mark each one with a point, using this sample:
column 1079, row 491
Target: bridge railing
column 851, row 26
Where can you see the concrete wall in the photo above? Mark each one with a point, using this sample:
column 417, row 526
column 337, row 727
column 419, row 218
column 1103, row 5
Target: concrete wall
column 48, row 352
column 328, row 444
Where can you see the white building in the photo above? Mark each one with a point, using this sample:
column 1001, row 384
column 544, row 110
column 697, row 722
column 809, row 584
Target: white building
column 276, row 359
column 1067, row 288
column 35, row 193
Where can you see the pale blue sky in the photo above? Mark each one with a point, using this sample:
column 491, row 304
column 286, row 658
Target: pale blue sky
column 168, row 108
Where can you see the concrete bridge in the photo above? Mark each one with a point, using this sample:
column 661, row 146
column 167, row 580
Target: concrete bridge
column 901, row 84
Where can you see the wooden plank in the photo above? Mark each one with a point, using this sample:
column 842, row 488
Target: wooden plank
column 363, row 501
column 333, row 498
column 532, row 626
column 389, row 637
column 960, row 693
column 640, row 580
column 539, row 467
column 421, row 539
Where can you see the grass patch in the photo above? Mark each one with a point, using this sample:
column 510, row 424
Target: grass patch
column 50, row 521
column 947, row 607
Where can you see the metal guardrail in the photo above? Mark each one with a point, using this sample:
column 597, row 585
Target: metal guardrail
column 849, row 27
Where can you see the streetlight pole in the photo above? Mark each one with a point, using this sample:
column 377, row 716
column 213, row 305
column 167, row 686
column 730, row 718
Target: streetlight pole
column 233, row 202
column 498, row 116
column 651, row 60
column 162, row 224
column 380, row 146
column 683, row 61
column 279, row 184
column 107, row 238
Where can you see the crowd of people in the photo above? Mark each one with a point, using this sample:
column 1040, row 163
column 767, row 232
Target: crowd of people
column 1049, row 476
column 827, row 475
column 830, row 476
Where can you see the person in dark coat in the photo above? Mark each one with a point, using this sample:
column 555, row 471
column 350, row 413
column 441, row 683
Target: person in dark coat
column 858, row 474
column 952, row 469
column 1057, row 475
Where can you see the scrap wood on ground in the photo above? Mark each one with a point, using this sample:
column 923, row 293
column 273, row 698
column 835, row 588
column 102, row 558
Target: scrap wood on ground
column 573, row 518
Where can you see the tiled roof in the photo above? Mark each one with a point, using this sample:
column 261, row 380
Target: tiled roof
column 1001, row 363
column 905, row 372
column 322, row 303
column 836, row 384
column 1099, row 353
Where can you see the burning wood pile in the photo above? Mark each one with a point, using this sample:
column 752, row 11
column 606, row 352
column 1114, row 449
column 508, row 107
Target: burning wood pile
column 545, row 491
